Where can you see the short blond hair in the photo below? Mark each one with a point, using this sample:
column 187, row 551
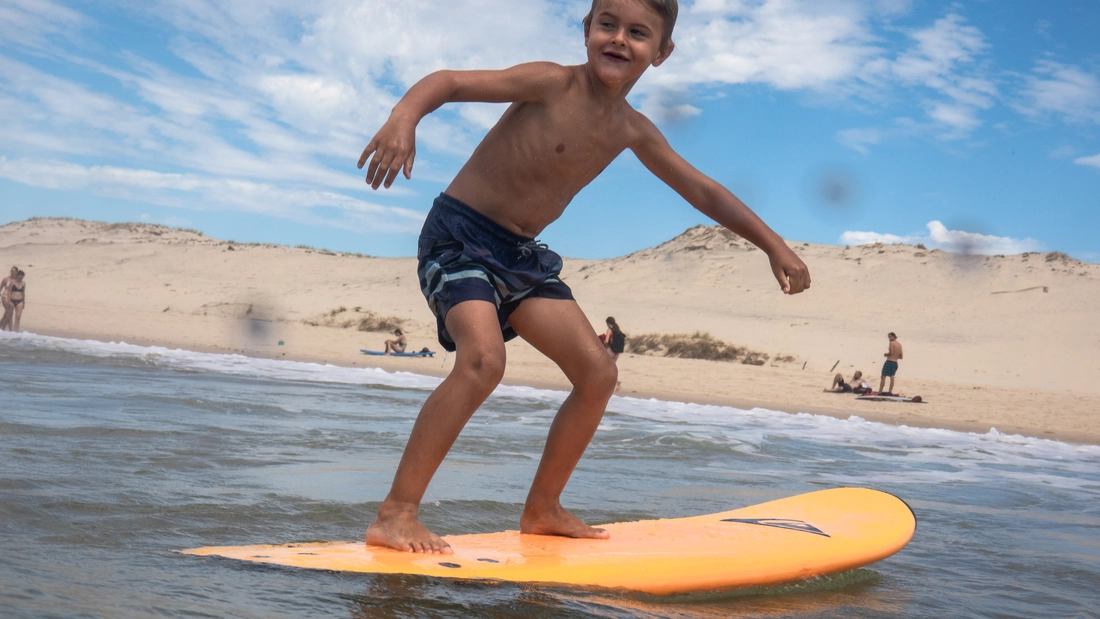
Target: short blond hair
column 666, row 9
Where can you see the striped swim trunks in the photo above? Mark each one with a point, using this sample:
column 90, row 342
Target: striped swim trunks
column 889, row 368
column 464, row 256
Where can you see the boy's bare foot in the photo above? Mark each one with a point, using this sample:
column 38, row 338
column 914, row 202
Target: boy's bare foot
column 557, row 521
column 401, row 530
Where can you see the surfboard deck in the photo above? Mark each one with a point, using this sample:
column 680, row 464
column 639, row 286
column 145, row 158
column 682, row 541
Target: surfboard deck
column 790, row 539
column 398, row 354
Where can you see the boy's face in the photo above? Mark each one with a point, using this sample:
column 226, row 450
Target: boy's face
column 623, row 40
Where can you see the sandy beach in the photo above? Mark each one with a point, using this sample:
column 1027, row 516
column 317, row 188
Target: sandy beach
column 1006, row 342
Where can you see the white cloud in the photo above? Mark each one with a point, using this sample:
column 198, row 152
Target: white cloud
column 860, row 139
column 940, row 237
column 1093, row 161
column 787, row 44
column 944, row 69
column 1062, row 90
column 198, row 192
column 31, row 22
column 275, row 91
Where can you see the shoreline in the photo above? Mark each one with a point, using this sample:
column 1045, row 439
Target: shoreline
column 896, row 414
column 1005, row 342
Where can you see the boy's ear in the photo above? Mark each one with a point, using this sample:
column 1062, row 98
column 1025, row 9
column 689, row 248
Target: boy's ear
column 662, row 56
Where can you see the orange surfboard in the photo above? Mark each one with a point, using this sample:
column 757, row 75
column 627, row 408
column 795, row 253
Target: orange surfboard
column 790, row 539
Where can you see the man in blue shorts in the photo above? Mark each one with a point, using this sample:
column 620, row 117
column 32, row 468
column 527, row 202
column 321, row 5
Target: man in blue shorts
column 891, row 366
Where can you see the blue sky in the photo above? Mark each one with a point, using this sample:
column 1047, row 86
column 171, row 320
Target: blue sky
column 962, row 125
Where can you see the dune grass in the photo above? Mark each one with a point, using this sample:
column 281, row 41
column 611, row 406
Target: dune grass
column 698, row 345
column 358, row 318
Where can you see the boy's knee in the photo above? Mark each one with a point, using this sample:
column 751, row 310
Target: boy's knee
column 601, row 375
column 486, row 367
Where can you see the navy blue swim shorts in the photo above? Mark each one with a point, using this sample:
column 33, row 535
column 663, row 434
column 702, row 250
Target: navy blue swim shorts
column 889, row 368
column 464, row 256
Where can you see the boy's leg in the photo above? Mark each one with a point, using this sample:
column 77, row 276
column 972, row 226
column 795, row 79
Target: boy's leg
column 479, row 366
column 560, row 330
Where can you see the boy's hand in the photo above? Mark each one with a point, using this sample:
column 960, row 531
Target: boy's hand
column 791, row 273
column 394, row 148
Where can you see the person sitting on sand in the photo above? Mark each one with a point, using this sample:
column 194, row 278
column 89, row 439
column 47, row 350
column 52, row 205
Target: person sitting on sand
column 486, row 277
column 14, row 295
column 839, row 386
column 398, row 344
column 614, row 339
column 615, row 342
column 859, row 385
column 8, row 307
column 890, row 367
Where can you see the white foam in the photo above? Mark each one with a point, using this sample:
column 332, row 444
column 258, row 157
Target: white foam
column 962, row 450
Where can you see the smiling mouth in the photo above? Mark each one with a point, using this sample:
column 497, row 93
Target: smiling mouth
column 616, row 56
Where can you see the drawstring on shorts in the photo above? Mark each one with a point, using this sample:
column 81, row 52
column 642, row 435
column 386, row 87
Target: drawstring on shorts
column 529, row 247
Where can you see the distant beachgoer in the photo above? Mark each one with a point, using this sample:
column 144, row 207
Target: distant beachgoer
column 890, row 368
column 8, row 307
column 15, row 296
column 614, row 339
column 615, row 342
column 839, row 386
column 398, row 344
column 859, row 385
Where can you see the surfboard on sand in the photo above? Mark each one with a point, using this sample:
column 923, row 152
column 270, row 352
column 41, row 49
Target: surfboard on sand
column 798, row 537
column 422, row 353
column 889, row 397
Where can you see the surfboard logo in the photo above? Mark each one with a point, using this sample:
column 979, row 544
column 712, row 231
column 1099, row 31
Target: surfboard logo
column 781, row 523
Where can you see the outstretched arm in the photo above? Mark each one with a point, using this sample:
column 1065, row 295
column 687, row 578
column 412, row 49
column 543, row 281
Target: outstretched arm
column 718, row 203
column 394, row 146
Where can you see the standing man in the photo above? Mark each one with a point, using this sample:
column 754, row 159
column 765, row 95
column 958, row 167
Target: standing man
column 891, row 366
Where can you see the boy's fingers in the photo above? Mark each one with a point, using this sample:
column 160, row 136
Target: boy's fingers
column 383, row 170
column 409, row 165
column 799, row 280
column 366, row 153
column 391, row 175
column 377, row 171
column 373, row 167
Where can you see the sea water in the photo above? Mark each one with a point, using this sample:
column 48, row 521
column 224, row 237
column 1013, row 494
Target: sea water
column 114, row 456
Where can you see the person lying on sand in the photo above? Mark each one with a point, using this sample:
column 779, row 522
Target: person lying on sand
column 486, row 277
column 859, row 385
column 839, row 386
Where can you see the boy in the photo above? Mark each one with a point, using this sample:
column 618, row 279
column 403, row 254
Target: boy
column 488, row 280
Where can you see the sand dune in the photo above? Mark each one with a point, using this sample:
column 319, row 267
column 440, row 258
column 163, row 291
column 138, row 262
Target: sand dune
column 1011, row 342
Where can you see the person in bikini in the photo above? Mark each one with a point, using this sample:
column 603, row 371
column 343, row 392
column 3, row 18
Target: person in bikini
column 397, row 344
column 615, row 339
column 14, row 295
column 9, row 309
column 486, row 277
